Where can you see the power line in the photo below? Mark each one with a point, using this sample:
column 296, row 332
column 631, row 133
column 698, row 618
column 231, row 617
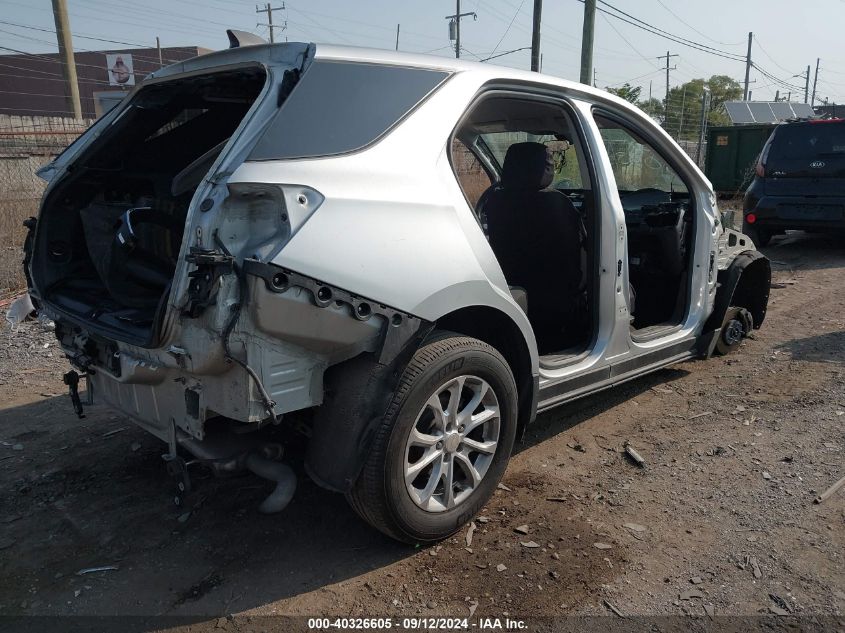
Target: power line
column 687, row 24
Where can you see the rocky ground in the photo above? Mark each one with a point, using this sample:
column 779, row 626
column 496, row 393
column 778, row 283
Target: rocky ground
column 720, row 521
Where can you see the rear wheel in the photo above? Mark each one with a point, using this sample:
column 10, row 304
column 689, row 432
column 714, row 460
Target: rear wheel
column 444, row 443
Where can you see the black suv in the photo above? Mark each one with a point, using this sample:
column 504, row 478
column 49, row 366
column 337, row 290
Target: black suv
column 800, row 182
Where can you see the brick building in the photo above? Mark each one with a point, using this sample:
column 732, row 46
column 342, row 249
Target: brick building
column 32, row 85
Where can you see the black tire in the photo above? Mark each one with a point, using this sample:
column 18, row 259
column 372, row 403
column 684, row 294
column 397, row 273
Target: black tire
column 736, row 326
column 760, row 237
column 380, row 496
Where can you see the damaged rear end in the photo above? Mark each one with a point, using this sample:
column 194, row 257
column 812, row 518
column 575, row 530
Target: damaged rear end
column 152, row 264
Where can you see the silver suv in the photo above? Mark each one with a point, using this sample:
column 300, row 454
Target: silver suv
column 403, row 257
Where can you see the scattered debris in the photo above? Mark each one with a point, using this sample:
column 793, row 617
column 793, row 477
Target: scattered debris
column 602, row 546
column 827, row 494
column 503, row 487
column 558, row 499
column 710, row 610
column 19, row 310
column 521, row 529
column 634, row 527
column 183, row 518
column 634, row 455
column 781, row 603
column 554, row 574
column 472, row 607
column 501, row 567
column 482, row 519
column 93, row 570
column 114, row 432
column 610, row 606
column 529, row 544
column 700, row 415
column 766, row 475
column 469, row 533
column 696, row 580
column 575, row 446
column 755, row 567
column 689, row 595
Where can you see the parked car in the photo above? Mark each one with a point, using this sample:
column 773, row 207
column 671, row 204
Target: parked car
column 407, row 257
column 799, row 182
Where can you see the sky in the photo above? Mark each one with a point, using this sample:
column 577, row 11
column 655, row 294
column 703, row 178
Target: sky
column 788, row 34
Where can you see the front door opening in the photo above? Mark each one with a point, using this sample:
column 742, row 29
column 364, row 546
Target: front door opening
column 659, row 223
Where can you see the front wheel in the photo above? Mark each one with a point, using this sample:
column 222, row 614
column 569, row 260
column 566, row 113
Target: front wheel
column 443, row 444
column 736, row 326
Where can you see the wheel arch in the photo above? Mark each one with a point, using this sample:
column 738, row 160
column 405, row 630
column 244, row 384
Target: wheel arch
column 499, row 330
column 745, row 284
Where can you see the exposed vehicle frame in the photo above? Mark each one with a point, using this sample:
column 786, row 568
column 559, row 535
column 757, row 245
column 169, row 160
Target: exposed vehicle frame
column 359, row 286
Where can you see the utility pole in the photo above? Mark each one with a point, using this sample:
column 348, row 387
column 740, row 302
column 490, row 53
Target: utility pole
column 777, row 96
column 158, row 48
column 455, row 26
column 65, row 43
column 815, row 80
column 667, row 74
column 806, row 77
column 747, row 66
column 535, row 36
column 705, row 104
column 587, row 36
column 683, row 104
column 594, row 78
column 269, row 11
column 397, row 37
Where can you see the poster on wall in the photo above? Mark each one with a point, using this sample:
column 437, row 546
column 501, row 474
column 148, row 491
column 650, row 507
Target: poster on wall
column 121, row 70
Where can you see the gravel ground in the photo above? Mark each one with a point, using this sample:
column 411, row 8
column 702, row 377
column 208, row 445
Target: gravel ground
column 721, row 520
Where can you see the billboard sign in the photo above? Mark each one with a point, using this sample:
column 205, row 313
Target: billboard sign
column 121, row 70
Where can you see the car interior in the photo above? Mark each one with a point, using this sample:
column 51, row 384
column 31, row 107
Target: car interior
column 659, row 224
column 113, row 228
column 536, row 211
column 521, row 166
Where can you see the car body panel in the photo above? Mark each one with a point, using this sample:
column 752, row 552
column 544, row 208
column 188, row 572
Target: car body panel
column 388, row 225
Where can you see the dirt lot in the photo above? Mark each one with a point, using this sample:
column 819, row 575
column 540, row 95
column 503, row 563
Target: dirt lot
column 720, row 521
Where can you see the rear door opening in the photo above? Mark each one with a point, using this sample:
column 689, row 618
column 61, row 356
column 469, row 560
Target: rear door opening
column 111, row 230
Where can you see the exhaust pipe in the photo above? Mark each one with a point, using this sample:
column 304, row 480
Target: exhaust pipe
column 281, row 473
column 227, row 453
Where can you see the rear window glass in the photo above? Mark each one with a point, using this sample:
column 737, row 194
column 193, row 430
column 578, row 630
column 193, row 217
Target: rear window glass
column 808, row 140
column 339, row 107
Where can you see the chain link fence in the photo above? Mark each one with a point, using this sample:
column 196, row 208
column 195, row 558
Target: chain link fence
column 26, row 144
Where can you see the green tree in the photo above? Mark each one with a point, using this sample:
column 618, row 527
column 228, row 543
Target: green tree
column 652, row 107
column 626, row 91
column 683, row 109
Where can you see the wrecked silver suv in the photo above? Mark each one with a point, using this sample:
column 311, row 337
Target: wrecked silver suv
column 405, row 257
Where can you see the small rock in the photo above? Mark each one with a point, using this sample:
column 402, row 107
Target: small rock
column 77, row 593
column 521, row 529
column 602, row 546
column 529, row 544
column 710, row 610
column 222, row 623
column 635, row 527
column 504, row 487
column 778, row 611
column 555, row 555
column 17, row 447
column 689, row 595
column 483, row 519
column 182, row 518
column 554, row 574
column 134, row 447
column 470, row 531
column 501, row 567
column 766, row 475
column 696, row 580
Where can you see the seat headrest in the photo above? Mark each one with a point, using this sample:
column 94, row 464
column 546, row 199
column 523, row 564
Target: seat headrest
column 527, row 166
